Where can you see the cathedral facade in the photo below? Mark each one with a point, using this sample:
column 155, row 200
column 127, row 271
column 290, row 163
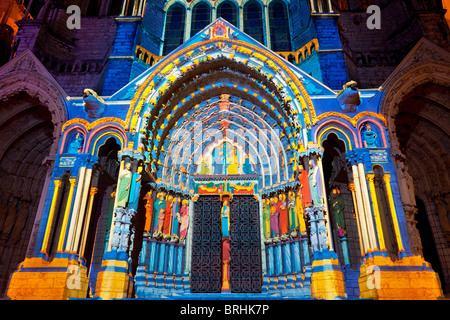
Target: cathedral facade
column 225, row 149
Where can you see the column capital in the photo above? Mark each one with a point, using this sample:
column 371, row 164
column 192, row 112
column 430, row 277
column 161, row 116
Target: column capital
column 351, row 187
column 93, row 191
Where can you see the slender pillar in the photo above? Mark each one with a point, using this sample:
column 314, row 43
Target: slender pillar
column 92, row 194
column 81, row 215
column 367, row 208
column 387, row 180
column 287, row 258
column 345, row 250
column 351, row 187
column 62, row 236
column 278, row 260
column 313, row 7
column 76, row 207
column 306, row 258
column 360, row 211
column 267, row 26
column 187, row 30
column 50, row 216
column 295, row 252
column 376, row 211
column 270, row 261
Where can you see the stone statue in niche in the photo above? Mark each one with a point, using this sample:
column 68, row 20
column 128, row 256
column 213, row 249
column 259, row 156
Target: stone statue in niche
column 349, row 97
column 337, row 203
column 123, row 190
column 21, row 220
column 76, row 145
column 3, row 212
column 370, row 137
column 10, row 219
column 444, row 217
column 406, row 184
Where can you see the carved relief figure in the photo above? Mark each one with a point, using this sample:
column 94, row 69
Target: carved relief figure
column 406, row 184
column 123, row 191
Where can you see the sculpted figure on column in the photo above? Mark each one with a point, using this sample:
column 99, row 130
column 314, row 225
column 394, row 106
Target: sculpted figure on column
column 123, row 190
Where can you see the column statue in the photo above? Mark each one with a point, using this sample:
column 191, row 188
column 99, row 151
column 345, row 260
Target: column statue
column 283, row 214
column 300, row 214
column 266, row 218
column 123, row 190
column 167, row 215
column 293, row 219
column 135, row 189
column 148, row 211
column 274, row 217
column 314, row 183
column 304, row 187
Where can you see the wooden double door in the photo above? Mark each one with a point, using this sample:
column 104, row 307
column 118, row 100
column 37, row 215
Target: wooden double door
column 245, row 271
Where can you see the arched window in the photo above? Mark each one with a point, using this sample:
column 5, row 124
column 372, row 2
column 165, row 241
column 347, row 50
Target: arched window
column 279, row 26
column 253, row 21
column 174, row 32
column 201, row 17
column 228, row 11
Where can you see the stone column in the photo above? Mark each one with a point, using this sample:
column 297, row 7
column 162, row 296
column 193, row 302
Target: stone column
column 57, row 184
column 62, row 236
column 376, row 212
column 387, row 180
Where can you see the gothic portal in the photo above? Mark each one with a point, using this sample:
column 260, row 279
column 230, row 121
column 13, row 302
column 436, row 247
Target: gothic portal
column 228, row 161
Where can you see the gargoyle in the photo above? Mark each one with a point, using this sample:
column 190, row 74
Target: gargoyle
column 349, row 97
column 93, row 104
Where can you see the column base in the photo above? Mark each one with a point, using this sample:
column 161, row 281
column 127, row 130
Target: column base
column 327, row 279
column 38, row 279
column 113, row 280
column 410, row 278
